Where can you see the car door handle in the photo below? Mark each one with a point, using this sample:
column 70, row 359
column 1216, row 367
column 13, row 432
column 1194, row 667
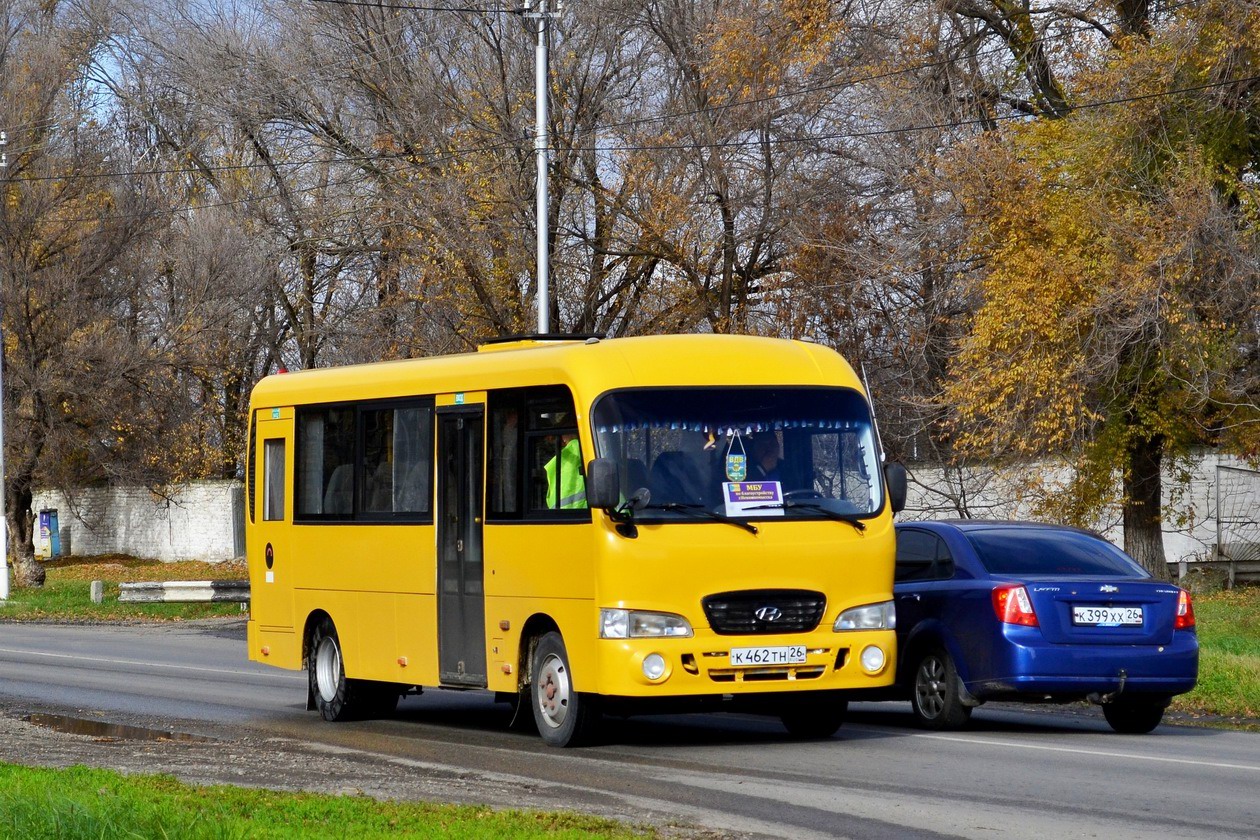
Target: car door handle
column 912, row 596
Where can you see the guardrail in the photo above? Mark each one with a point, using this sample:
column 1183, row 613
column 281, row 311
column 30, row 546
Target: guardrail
column 185, row 590
column 1230, row 572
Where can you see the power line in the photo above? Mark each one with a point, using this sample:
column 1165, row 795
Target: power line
column 1069, row 31
column 454, row 153
column 409, row 8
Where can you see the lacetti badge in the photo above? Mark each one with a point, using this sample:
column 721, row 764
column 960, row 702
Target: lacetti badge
column 1107, row 587
column 768, row 614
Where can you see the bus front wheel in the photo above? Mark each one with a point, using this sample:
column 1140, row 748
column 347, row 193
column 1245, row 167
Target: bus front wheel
column 565, row 717
column 336, row 697
column 811, row 717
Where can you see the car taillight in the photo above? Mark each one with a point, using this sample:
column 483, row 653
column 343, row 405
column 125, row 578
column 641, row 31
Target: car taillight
column 1012, row 605
column 1185, row 612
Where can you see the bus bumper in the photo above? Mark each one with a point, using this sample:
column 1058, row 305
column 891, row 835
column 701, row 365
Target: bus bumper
column 273, row 646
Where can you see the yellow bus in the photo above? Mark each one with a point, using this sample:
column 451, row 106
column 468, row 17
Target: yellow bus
column 582, row 526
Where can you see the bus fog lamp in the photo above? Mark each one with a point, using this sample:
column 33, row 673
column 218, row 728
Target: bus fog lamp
column 872, row 659
column 653, row 666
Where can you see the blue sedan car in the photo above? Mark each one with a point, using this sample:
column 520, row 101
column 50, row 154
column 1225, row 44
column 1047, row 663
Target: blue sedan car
column 1041, row 613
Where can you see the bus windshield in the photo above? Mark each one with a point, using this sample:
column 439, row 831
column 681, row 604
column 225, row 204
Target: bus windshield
column 747, row 452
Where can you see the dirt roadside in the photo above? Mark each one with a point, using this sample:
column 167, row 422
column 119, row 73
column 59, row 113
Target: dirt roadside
column 217, row 755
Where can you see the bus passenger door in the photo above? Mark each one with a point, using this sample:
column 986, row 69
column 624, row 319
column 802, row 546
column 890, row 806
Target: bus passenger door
column 461, row 590
column 271, row 561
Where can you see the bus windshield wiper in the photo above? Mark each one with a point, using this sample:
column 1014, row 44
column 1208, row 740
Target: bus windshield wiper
column 701, row 510
column 830, row 514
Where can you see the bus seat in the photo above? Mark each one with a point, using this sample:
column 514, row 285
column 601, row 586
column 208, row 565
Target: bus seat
column 636, row 475
column 338, row 498
column 673, row 479
column 380, row 489
column 412, row 493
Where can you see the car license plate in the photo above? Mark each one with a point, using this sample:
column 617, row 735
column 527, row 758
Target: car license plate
column 1107, row 616
column 786, row 655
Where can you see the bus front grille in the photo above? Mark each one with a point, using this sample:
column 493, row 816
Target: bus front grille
column 764, row 611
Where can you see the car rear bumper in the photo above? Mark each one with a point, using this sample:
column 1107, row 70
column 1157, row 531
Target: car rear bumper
column 1041, row 668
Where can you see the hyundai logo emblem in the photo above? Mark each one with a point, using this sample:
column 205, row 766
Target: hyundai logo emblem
column 1107, row 587
column 768, row 613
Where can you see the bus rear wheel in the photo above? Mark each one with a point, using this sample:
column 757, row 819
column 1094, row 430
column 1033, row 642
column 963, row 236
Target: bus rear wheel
column 337, row 698
column 565, row 717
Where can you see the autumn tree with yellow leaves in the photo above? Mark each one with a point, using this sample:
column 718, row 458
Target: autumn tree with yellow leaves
column 77, row 358
column 1119, row 279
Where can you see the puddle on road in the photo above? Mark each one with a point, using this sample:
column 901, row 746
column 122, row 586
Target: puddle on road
column 105, row 731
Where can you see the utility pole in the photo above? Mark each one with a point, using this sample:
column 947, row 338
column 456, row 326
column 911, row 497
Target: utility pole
column 4, row 507
column 539, row 11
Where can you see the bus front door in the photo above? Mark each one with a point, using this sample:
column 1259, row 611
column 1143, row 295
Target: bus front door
column 461, row 590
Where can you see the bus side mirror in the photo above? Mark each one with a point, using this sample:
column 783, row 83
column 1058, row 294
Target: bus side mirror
column 603, row 484
column 895, row 475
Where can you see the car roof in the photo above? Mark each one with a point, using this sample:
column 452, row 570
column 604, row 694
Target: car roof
column 973, row 525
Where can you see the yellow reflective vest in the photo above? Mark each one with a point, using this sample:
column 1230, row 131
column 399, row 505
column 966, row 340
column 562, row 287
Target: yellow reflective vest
column 572, row 487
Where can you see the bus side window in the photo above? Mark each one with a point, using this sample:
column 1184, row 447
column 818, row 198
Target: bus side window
column 325, row 461
column 535, row 460
column 397, row 460
column 554, row 454
column 503, row 491
column 273, row 480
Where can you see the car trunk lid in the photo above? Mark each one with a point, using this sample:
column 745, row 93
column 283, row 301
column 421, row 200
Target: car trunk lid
column 1101, row 610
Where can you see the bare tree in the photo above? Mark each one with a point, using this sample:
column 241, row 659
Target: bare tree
column 67, row 228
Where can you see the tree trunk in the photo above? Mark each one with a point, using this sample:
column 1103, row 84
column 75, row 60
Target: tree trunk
column 27, row 570
column 1143, row 529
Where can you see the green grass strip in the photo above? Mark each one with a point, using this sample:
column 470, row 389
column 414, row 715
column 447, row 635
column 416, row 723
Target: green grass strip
column 85, row 804
column 71, row 600
column 1228, row 624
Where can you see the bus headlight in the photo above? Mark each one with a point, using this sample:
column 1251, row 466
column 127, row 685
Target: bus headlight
column 639, row 624
column 881, row 616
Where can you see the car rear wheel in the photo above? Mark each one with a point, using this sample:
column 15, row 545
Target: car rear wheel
column 1135, row 715
column 936, row 700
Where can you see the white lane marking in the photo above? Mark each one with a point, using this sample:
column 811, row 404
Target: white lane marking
column 139, row 664
column 984, row 742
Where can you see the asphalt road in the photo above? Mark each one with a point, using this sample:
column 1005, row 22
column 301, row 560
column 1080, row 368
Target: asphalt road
column 1013, row 773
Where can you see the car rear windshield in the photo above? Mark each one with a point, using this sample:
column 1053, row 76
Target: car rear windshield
column 1020, row 551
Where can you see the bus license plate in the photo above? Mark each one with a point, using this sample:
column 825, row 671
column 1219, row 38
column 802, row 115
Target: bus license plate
column 786, row 655
column 1107, row 616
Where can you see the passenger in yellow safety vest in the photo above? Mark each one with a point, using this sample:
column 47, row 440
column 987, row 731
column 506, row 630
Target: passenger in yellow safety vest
column 571, row 492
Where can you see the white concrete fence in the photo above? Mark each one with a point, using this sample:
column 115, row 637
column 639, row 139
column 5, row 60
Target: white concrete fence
column 202, row 520
column 205, row 520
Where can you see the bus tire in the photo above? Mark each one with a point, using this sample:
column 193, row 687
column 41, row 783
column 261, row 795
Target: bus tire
column 811, row 719
column 337, row 698
column 565, row 717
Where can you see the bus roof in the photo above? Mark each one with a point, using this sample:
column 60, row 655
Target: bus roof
column 589, row 367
